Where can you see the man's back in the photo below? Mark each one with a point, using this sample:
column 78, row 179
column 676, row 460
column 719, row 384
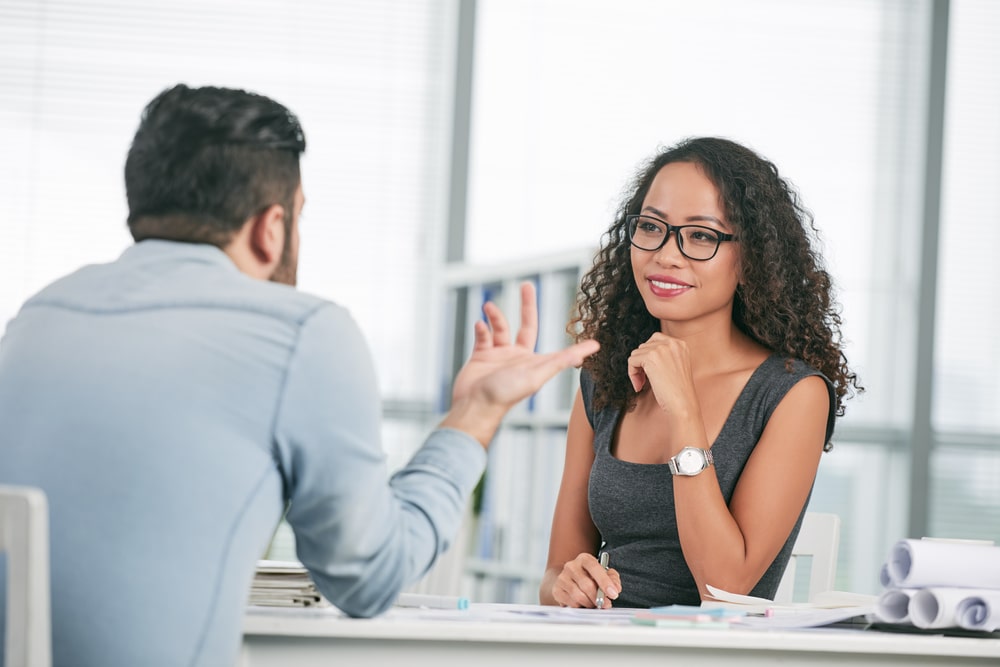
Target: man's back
column 142, row 396
column 172, row 403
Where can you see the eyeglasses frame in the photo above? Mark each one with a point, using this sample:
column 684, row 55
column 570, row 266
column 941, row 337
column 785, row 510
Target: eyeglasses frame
column 721, row 237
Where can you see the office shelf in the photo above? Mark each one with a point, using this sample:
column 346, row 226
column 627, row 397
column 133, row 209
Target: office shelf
column 510, row 521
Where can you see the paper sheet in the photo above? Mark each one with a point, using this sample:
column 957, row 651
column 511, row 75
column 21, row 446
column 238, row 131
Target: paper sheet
column 805, row 619
column 825, row 600
column 825, row 609
column 522, row 613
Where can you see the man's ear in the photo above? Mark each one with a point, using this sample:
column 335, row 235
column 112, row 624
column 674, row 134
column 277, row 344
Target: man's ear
column 267, row 235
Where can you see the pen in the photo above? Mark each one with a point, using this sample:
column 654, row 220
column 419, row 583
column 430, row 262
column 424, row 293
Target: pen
column 432, row 601
column 600, row 592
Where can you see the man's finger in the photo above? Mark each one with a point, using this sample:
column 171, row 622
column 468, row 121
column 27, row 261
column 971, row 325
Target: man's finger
column 498, row 323
column 484, row 338
column 546, row 366
column 527, row 335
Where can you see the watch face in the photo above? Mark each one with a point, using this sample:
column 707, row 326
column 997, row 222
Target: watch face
column 690, row 460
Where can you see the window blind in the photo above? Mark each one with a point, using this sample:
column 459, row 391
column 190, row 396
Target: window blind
column 370, row 79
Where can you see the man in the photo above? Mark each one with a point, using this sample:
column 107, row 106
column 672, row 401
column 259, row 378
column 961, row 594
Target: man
column 172, row 402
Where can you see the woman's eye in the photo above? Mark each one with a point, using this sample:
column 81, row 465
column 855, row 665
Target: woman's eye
column 702, row 236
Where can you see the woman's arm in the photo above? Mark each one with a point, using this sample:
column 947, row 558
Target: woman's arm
column 731, row 547
column 569, row 578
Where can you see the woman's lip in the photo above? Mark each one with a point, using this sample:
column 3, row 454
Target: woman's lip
column 667, row 286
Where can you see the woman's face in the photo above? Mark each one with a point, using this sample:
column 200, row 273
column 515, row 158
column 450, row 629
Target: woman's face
column 674, row 287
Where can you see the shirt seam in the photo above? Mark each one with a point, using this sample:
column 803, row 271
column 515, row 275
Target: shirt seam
column 199, row 645
column 282, row 395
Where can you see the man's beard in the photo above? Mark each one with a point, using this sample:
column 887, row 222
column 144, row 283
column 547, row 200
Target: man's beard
column 287, row 270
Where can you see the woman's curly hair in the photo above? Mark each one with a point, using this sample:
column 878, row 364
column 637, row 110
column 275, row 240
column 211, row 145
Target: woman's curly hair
column 784, row 302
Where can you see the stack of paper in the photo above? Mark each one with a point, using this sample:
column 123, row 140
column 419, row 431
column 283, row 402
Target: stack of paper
column 938, row 584
column 284, row 584
column 825, row 609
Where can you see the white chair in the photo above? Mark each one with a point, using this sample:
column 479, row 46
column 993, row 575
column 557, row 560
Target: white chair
column 24, row 536
column 819, row 540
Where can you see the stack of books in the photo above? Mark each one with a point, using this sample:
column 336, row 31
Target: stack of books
column 284, row 584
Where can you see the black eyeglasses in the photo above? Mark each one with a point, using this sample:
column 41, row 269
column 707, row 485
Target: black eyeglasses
column 695, row 241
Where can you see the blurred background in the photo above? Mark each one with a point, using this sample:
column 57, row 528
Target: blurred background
column 487, row 134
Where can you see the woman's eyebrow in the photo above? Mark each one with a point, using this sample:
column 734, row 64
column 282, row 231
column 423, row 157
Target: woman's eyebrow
column 691, row 218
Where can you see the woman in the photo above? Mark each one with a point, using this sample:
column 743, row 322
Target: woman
column 694, row 440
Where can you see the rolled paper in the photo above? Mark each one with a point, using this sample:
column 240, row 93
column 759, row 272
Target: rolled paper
column 979, row 611
column 883, row 576
column 932, row 608
column 927, row 563
column 893, row 605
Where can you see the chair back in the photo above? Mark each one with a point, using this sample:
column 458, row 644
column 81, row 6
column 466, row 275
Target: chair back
column 24, row 537
column 819, row 541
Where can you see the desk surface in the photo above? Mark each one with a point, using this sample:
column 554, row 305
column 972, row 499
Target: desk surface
column 291, row 637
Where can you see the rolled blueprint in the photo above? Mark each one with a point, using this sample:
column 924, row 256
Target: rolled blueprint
column 926, row 563
column 883, row 576
column 932, row 608
column 980, row 610
column 893, row 605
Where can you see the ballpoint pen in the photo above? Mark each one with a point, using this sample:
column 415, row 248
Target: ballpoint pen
column 600, row 591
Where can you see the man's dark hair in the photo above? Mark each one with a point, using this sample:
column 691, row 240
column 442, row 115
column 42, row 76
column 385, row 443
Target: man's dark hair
column 204, row 160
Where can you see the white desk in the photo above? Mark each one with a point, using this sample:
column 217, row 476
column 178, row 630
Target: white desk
column 291, row 638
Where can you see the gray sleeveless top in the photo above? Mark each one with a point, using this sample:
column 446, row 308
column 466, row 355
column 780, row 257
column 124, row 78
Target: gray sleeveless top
column 632, row 504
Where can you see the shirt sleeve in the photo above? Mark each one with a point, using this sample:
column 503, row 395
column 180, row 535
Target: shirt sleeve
column 362, row 535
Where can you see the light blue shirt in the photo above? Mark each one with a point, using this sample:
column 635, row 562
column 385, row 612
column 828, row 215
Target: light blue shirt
column 169, row 406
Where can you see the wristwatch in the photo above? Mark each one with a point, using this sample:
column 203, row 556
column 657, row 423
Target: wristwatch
column 690, row 461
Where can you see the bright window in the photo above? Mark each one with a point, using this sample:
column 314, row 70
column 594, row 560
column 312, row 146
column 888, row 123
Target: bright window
column 965, row 464
column 370, row 80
